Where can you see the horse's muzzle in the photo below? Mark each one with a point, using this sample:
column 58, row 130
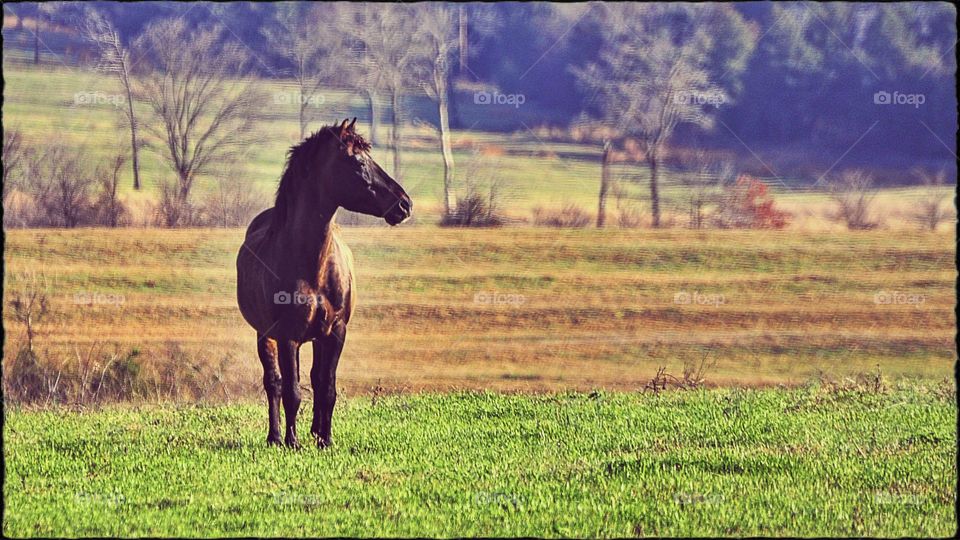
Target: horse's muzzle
column 400, row 212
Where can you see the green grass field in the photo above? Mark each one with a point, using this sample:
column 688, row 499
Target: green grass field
column 815, row 461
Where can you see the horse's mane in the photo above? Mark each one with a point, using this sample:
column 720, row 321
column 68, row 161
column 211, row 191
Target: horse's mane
column 299, row 157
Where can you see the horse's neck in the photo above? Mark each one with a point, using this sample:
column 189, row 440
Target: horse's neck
column 308, row 236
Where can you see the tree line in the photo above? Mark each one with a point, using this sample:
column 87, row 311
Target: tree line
column 782, row 75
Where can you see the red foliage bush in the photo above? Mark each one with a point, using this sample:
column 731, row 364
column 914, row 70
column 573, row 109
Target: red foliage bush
column 748, row 204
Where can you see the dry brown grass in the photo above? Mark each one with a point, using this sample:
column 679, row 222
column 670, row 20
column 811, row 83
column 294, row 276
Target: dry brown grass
column 577, row 309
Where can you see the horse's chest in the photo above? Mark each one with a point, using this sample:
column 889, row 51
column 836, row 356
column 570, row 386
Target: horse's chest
column 313, row 310
column 317, row 306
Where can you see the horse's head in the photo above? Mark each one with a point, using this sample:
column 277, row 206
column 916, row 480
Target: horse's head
column 357, row 183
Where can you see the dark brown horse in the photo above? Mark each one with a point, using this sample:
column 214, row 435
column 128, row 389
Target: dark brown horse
column 295, row 274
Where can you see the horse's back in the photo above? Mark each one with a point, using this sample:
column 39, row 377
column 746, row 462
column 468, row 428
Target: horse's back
column 259, row 226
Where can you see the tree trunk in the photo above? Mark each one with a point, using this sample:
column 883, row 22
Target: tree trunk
column 395, row 132
column 463, row 41
column 374, row 115
column 301, row 102
column 36, row 36
column 604, row 185
column 184, row 187
column 654, row 193
column 134, row 150
column 30, row 333
column 448, row 200
column 302, row 114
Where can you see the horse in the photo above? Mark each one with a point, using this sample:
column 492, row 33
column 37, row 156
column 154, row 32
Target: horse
column 295, row 279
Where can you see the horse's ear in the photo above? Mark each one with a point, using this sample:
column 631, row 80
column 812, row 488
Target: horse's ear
column 350, row 127
column 343, row 128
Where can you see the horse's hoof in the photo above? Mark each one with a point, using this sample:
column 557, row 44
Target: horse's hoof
column 292, row 443
column 324, row 443
column 274, row 441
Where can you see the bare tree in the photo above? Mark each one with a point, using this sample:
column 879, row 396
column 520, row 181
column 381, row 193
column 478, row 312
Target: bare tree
column 293, row 34
column 436, row 45
column 929, row 211
column 379, row 38
column 604, row 183
column 231, row 203
column 13, row 155
column 115, row 60
column 709, row 177
column 41, row 11
column 463, row 42
column 473, row 19
column 30, row 305
column 658, row 69
column 853, row 193
column 204, row 108
column 109, row 210
column 60, row 183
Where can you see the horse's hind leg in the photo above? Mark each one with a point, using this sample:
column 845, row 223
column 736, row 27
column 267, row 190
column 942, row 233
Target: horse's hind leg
column 290, row 388
column 323, row 377
column 267, row 349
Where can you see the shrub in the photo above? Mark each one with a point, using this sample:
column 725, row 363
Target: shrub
column 928, row 211
column 473, row 210
column 14, row 155
column 853, row 193
column 569, row 216
column 231, row 204
column 630, row 217
column 120, row 377
column 26, row 379
column 56, row 187
column 747, row 204
column 174, row 209
column 108, row 209
column 60, row 183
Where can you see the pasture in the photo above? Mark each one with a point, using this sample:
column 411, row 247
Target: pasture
column 515, row 309
column 815, row 461
column 495, row 382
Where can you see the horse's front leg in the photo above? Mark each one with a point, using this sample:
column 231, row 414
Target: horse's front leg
column 323, row 377
column 290, row 382
column 267, row 350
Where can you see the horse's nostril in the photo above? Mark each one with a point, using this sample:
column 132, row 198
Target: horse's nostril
column 405, row 205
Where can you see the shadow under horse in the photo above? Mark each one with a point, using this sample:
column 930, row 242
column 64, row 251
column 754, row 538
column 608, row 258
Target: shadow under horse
column 295, row 275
